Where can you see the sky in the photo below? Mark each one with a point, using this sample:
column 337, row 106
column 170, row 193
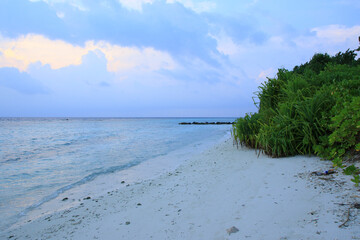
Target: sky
column 158, row 58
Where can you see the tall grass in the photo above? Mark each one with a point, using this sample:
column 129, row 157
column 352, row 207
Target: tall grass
column 313, row 109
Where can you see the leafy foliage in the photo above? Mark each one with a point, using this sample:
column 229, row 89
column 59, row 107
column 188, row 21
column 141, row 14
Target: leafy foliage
column 313, row 109
column 350, row 170
column 249, row 128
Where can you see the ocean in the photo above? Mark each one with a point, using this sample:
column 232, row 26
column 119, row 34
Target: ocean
column 41, row 158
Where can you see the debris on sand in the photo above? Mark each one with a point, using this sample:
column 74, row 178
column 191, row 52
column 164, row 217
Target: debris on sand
column 231, row 230
column 327, row 172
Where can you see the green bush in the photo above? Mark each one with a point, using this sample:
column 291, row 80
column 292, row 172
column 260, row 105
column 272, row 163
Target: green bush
column 278, row 138
column 313, row 109
column 346, row 129
column 245, row 130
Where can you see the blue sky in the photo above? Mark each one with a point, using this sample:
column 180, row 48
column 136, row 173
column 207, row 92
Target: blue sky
column 165, row 58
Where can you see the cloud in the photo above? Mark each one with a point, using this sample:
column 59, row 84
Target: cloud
column 91, row 72
column 229, row 46
column 127, row 58
column 259, row 61
column 196, row 6
column 330, row 38
column 20, row 82
column 19, row 17
column 226, row 45
column 110, row 57
column 165, row 27
column 60, row 14
column 337, row 33
column 31, row 48
column 231, row 33
column 78, row 4
column 267, row 73
column 135, row 4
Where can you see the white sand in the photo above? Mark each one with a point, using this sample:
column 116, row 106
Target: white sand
column 210, row 192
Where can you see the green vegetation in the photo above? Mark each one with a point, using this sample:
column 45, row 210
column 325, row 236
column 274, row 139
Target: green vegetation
column 312, row 110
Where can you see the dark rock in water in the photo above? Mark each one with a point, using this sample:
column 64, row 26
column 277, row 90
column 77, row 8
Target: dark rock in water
column 205, row 123
column 87, row 198
column 122, row 182
column 64, row 199
column 139, row 204
column 127, row 223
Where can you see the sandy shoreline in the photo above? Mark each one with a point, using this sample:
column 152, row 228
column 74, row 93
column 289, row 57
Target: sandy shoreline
column 222, row 187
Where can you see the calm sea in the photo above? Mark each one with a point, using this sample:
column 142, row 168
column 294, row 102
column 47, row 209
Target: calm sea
column 41, row 158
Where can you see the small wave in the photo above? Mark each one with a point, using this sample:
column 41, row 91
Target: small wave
column 84, row 180
column 20, row 176
column 10, row 160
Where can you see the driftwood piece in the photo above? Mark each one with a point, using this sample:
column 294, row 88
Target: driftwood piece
column 347, row 219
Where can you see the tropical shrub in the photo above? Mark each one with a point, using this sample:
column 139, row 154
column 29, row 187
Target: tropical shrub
column 313, row 109
column 245, row 130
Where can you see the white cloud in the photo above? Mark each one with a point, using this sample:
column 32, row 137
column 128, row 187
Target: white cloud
column 331, row 35
column 263, row 75
column 196, row 6
column 60, row 15
column 259, row 61
column 126, row 58
column 75, row 3
column 225, row 44
column 134, row 4
column 32, row 48
column 337, row 33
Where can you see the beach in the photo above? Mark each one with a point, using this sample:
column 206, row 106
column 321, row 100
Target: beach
column 222, row 192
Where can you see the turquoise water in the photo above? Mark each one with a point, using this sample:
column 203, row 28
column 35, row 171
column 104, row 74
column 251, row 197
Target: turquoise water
column 41, row 158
